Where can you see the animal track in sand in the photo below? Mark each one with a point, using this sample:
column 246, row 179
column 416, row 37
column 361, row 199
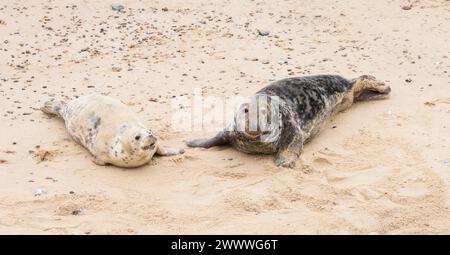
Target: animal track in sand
column 229, row 174
column 312, row 202
column 372, row 165
column 394, row 176
column 242, row 201
column 66, row 213
column 319, row 161
column 368, row 175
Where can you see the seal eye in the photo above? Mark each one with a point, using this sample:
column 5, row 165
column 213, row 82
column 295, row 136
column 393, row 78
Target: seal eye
column 246, row 110
column 137, row 137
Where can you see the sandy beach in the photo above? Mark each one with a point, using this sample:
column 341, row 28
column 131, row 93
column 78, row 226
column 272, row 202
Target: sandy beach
column 381, row 167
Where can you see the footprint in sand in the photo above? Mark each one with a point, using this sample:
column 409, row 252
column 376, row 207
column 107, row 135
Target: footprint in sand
column 229, row 174
column 320, row 161
column 362, row 178
column 242, row 201
column 327, row 157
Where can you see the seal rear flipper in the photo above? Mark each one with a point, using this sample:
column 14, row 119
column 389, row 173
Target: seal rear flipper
column 369, row 95
column 53, row 108
column 219, row 139
column 367, row 87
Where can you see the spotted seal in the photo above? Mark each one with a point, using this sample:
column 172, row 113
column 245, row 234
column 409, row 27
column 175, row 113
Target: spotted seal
column 110, row 131
column 295, row 110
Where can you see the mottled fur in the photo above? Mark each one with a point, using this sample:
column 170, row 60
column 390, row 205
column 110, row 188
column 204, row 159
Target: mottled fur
column 306, row 104
column 109, row 130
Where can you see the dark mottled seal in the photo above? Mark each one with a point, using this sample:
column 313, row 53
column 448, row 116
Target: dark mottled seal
column 109, row 130
column 304, row 105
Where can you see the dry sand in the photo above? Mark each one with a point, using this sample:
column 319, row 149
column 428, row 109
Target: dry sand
column 380, row 167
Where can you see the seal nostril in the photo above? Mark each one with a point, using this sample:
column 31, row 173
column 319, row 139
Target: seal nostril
column 152, row 140
column 137, row 137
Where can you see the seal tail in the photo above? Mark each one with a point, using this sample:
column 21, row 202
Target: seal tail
column 53, row 108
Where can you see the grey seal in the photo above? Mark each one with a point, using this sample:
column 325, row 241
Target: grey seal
column 295, row 110
column 111, row 132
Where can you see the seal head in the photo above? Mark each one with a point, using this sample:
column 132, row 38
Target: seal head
column 256, row 125
column 134, row 146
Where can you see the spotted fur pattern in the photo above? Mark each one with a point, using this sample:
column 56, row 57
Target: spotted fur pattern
column 306, row 104
column 111, row 132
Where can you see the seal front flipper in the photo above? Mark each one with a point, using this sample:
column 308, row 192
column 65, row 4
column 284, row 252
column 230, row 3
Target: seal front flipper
column 168, row 151
column 291, row 145
column 98, row 161
column 219, row 139
column 289, row 154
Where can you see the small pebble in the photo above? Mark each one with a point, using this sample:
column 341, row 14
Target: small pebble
column 407, row 7
column 263, row 33
column 116, row 69
column 40, row 192
column 77, row 212
column 117, row 7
